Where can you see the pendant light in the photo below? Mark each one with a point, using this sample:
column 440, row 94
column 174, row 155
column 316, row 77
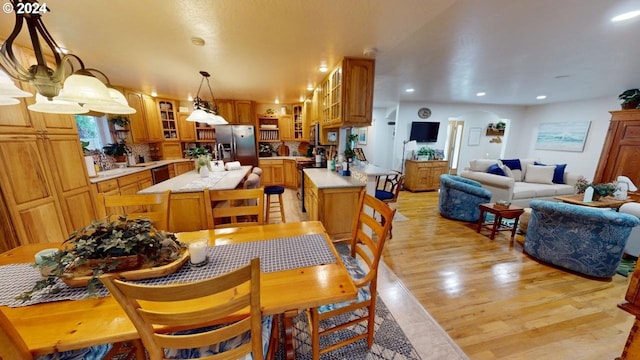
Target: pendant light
column 202, row 111
column 81, row 88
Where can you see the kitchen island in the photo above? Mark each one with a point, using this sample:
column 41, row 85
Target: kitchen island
column 332, row 199
column 188, row 208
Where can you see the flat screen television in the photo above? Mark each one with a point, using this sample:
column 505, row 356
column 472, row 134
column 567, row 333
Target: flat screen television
column 424, row 131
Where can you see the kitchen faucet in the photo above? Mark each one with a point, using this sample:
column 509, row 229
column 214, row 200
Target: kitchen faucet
column 219, row 151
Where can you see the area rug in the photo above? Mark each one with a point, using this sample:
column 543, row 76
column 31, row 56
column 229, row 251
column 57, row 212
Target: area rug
column 390, row 342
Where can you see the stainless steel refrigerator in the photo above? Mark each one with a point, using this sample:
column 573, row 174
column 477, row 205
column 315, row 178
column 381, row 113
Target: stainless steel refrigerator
column 237, row 143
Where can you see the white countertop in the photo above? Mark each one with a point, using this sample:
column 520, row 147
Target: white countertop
column 193, row 182
column 296, row 158
column 373, row 170
column 116, row 173
column 324, row 178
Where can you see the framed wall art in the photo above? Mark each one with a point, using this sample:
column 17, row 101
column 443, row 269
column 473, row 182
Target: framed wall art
column 474, row 136
column 362, row 136
column 563, row 136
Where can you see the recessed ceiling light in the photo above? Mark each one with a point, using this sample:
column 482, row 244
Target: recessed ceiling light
column 410, row 90
column 154, row 94
column 541, row 97
column 626, row 16
column 301, row 99
column 198, row 41
column 323, row 67
column 481, row 94
column 277, row 101
column 189, row 98
column 310, row 87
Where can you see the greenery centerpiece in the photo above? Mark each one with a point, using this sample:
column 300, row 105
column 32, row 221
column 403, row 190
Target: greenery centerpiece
column 599, row 190
column 102, row 247
column 426, row 153
column 350, row 145
column 194, row 152
column 203, row 161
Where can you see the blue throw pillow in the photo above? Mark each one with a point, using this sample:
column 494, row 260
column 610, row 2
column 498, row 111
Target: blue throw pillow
column 558, row 173
column 496, row 170
column 513, row 164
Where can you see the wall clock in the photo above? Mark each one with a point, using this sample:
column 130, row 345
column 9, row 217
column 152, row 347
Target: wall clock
column 424, row 113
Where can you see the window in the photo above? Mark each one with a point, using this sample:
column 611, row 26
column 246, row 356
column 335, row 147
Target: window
column 95, row 130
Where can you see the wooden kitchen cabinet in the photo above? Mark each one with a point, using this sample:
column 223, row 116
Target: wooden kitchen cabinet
column 186, row 129
column 291, row 174
column 424, row 175
column 334, row 207
column 621, row 149
column 272, row 171
column 180, row 168
column 268, row 128
column 154, row 125
column 346, row 94
column 285, row 124
column 168, row 120
column 300, row 126
column 138, row 120
column 227, row 109
column 245, row 113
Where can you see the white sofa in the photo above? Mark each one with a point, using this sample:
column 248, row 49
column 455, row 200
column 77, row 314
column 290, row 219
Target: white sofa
column 633, row 243
column 515, row 186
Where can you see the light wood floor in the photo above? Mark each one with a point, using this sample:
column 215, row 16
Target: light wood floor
column 493, row 300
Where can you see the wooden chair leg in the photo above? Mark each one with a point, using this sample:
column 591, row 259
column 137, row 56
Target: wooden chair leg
column 281, row 208
column 266, row 218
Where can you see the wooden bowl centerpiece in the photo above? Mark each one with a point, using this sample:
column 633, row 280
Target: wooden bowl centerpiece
column 123, row 245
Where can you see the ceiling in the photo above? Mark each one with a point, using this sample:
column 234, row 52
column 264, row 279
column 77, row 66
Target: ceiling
column 447, row 50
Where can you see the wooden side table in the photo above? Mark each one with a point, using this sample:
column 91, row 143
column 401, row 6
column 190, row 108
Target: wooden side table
column 512, row 212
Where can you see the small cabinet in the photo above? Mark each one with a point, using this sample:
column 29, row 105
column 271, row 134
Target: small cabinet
column 424, row 175
column 169, row 121
column 291, row 174
column 183, row 167
column 154, row 126
column 272, row 172
column 285, row 124
column 300, row 128
column 187, row 129
column 227, row 109
column 346, row 94
column 138, row 121
column 245, row 113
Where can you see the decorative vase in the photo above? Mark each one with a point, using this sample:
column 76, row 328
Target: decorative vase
column 596, row 196
column 204, row 171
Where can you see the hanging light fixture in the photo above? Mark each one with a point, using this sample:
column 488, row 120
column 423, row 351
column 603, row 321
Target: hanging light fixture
column 81, row 88
column 203, row 111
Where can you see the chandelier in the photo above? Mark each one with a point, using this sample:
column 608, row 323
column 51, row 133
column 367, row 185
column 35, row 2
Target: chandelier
column 204, row 112
column 63, row 89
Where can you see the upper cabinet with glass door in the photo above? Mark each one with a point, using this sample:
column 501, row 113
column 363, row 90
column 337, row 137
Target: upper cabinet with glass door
column 346, row 95
column 167, row 111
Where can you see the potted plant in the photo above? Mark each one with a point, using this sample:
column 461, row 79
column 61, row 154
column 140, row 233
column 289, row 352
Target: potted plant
column 195, row 152
column 426, row 153
column 119, row 150
column 630, row 99
column 203, row 162
column 351, row 142
column 102, row 247
column 501, row 125
column 265, row 150
column 119, row 122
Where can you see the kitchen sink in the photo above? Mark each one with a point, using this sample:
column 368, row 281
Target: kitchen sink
column 114, row 172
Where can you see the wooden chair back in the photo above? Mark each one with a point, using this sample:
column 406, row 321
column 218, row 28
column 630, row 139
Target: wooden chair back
column 152, row 206
column 12, row 347
column 369, row 235
column 235, row 208
column 231, row 301
column 391, row 184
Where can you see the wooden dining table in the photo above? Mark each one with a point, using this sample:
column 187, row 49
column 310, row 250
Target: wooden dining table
column 71, row 324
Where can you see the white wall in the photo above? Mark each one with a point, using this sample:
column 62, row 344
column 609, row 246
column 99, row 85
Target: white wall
column 585, row 162
column 520, row 136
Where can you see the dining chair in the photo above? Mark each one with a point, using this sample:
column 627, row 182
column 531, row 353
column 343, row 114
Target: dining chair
column 387, row 189
column 218, row 316
column 155, row 207
column 12, row 347
column 365, row 249
column 234, row 208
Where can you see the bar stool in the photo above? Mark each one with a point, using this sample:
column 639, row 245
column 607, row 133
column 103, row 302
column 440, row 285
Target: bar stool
column 274, row 190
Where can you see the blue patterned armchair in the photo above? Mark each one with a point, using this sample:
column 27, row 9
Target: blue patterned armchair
column 586, row 240
column 460, row 197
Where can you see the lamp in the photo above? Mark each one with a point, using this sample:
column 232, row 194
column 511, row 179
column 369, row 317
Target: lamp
column 202, row 110
column 410, row 145
column 80, row 88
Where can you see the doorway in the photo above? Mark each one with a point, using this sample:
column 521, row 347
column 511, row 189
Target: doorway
column 454, row 144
